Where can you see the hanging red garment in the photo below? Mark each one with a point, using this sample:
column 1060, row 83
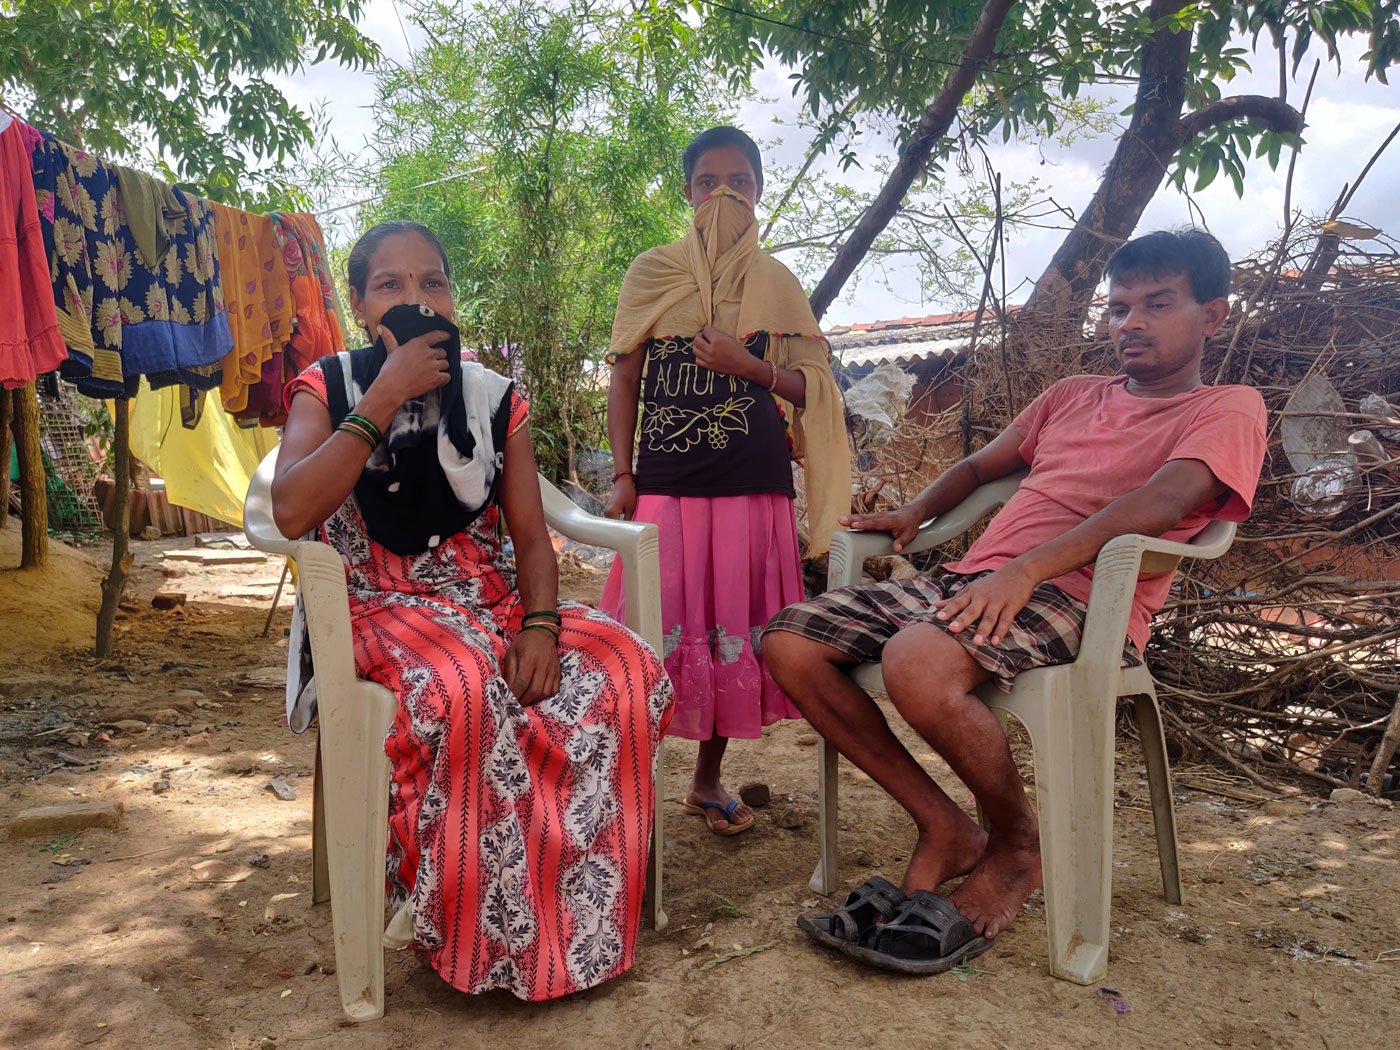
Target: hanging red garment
column 318, row 330
column 30, row 343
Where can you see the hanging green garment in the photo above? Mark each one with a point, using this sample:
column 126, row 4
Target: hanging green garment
column 147, row 204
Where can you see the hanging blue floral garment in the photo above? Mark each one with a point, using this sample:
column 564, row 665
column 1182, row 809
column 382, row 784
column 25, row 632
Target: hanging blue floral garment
column 80, row 216
column 119, row 318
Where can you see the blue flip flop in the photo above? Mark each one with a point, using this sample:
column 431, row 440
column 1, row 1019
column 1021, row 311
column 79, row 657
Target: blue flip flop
column 698, row 809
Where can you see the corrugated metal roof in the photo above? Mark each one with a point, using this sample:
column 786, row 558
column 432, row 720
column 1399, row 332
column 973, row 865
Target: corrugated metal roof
column 907, row 352
column 909, row 340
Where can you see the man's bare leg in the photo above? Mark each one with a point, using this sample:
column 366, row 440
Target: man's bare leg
column 813, row 676
column 964, row 731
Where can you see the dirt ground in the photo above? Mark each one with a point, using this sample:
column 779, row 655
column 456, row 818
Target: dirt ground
column 1290, row 936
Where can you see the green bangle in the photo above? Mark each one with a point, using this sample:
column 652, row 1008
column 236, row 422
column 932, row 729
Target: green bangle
column 540, row 627
column 368, row 424
column 552, row 614
column 350, row 428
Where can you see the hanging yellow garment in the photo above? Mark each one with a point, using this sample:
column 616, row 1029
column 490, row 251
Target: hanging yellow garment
column 206, row 469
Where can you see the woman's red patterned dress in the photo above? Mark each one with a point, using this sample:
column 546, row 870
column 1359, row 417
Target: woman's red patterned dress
column 521, row 833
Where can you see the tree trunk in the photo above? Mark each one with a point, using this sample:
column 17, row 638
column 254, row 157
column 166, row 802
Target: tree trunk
column 115, row 582
column 7, row 412
column 34, row 517
column 1129, row 182
column 1155, row 134
column 913, row 159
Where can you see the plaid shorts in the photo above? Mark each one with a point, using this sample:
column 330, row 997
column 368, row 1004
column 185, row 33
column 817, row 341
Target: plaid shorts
column 860, row 620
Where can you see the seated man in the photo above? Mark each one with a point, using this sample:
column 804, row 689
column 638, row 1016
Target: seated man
column 1153, row 451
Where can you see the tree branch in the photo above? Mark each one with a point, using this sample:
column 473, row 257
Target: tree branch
column 818, row 147
column 913, row 159
column 1274, row 113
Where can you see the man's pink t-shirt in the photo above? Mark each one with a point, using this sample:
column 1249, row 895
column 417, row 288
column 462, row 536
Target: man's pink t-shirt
column 1088, row 441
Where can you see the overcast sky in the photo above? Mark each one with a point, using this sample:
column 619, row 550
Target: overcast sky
column 1348, row 118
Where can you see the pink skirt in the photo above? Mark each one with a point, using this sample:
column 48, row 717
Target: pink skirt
column 728, row 564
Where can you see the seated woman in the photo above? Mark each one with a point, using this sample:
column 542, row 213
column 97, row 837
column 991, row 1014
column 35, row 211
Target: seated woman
column 524, row 748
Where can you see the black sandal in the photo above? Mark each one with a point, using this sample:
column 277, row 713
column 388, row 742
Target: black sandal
column 875, row 898
column 928, row 936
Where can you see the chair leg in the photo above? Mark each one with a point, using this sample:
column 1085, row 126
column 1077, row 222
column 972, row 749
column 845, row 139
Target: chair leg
column 320, row 870
column 655, row 909
column 1074, row 792
column 1159, row 782
column 824, row 877
column 353, row 725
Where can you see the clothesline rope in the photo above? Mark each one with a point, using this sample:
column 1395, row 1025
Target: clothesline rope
column 410, row 189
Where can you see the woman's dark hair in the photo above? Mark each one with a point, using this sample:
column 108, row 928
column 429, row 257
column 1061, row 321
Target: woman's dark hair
column 357, row 266
column 1166, row 253
column 722, row 136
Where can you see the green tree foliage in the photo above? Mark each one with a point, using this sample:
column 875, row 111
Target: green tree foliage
column 189, row 76
column 889, row 57
column 551, row 137
column 854, row 59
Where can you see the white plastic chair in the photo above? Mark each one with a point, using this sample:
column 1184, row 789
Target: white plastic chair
column 350, row 807
column 1069, row 713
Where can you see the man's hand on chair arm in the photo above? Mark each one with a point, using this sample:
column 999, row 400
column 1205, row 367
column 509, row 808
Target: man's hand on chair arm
column 988, row 606
column 998, row 458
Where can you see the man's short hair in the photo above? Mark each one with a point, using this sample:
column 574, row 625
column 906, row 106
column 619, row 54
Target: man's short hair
column 722, row 136
column 1166, row 253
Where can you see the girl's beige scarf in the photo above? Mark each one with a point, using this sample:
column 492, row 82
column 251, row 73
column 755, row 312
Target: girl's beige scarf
column 717, row 275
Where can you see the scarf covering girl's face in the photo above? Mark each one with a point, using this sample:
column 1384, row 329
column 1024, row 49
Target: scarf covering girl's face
column 405, row 268
column 722, row 166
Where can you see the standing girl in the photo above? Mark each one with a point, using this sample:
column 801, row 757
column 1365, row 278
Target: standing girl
column 716, row 343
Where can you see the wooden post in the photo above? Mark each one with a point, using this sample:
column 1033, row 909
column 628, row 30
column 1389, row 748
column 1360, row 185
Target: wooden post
column 115, row 582
column 35, row 516
column 7, row 413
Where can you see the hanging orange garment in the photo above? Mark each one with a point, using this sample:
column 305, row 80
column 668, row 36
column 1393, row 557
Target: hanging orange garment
column 258, row 295
column 30, row 342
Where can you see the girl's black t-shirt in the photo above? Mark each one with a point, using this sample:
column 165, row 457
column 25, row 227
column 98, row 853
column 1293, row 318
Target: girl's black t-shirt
column 708, row 434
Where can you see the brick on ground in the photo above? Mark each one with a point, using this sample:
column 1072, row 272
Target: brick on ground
column 50, row 821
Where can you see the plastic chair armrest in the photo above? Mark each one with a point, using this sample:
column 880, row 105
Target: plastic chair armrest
column 1116, row 571
column 637, row 544
column 565, row 516
column 850, row 549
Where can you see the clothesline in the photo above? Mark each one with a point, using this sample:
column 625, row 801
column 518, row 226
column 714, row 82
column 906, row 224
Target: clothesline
column 144, row 279
column 373, row 200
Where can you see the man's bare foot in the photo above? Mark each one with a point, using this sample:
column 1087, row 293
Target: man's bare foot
column 715, row 818
column 936, row 859
column 993, row 893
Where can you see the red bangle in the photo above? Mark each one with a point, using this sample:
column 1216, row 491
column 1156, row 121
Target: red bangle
column 622, row 474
